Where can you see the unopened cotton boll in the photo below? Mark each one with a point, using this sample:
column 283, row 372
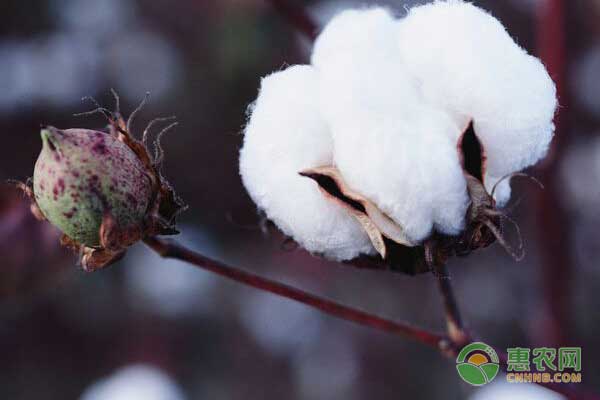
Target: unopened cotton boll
column 467, row 63
column 285, row 135
column 408, row 165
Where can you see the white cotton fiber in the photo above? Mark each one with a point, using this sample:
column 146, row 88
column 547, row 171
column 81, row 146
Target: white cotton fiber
column 388, row 143
column 386, row 101
column 408, row 168
column 286, row 134
column 467, row 63
column 352, row 33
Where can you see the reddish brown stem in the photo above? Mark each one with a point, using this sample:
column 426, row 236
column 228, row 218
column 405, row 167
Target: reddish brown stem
column 171, row 249
column 454, row 323
column 297, row 17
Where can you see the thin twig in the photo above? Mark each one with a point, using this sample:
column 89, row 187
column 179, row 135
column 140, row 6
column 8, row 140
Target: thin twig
column 171, row 249
column 297, row 17
column 454, row 322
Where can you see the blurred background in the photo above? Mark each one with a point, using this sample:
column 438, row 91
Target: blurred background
column 148, row 328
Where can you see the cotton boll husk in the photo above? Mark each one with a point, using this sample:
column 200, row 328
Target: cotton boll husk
column 388, row 144
column 285, row 135
column 467, row 63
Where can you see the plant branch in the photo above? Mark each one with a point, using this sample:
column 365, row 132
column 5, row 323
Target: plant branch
column 297, row 17
column 460, row 337
column 454, row 322
column 171, row 249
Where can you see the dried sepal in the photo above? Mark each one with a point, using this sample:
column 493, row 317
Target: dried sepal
column 483, row 220
column 166, row 204
column 27, row 189
column 375, row 222
column 375, row 235
column 92, row 260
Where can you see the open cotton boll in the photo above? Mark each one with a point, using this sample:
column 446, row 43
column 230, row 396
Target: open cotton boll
column 285, row 135
column 467, row 63
column 384, row 117
column 389, row 145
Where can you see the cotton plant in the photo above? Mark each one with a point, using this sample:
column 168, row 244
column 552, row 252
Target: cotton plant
column 400, row 137
column 397, row 142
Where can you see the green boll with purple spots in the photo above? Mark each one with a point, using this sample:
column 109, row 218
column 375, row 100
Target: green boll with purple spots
column 80, row 173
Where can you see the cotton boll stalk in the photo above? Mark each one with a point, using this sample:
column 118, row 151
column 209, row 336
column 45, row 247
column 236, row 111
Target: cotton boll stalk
column 285, row 135
column 467, row 63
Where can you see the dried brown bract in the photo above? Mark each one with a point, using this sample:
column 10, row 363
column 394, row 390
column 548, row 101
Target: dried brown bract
column 484, row 221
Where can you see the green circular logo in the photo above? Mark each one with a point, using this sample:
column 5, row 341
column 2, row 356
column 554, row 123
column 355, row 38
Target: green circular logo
column 477, row 364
